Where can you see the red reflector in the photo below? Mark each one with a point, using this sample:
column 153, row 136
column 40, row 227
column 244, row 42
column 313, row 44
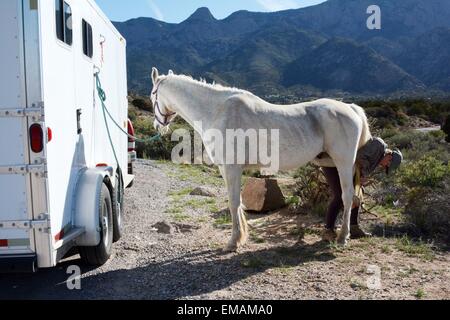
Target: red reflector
column 49, row 134
column 130, row 131
column 101, row 165
column 36, row 138
column 3, row 243
column 59, row 236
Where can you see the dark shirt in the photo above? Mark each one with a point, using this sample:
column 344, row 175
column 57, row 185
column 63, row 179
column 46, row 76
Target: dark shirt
column 370, row 156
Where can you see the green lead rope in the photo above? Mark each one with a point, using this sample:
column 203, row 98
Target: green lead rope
column 102, row 96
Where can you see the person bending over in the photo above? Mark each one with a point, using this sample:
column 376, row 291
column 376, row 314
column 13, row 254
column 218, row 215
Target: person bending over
column 371, row 156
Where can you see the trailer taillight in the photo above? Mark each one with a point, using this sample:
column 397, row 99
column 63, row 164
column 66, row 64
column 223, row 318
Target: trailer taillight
column 36, row 138
column 49, row 134
column 131, row 141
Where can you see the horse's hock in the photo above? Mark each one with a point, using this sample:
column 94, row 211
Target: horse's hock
column 262, row 195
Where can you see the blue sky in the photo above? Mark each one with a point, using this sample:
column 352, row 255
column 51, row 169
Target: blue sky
column 178, row 10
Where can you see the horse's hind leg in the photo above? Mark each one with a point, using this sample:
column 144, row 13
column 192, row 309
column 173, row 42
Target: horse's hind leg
column 232, row 176
column 346, row 177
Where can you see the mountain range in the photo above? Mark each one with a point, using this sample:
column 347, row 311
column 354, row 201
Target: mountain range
column 316, row 50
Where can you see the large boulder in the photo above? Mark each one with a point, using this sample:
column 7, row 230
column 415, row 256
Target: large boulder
column 262, row 195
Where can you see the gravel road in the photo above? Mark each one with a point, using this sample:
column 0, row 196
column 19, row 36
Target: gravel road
column 429, row 129
column 190, row 264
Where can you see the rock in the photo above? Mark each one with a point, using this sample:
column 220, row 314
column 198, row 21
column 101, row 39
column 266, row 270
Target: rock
column 172, row 228
column 203, row 192
column 164, row 227
column 262, row 195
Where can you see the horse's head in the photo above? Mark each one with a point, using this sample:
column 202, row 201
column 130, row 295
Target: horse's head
column 164, row 114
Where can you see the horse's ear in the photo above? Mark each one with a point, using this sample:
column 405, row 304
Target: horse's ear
column 155, row 75
column 170, row 73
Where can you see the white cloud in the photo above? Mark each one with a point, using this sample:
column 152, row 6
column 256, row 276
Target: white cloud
column 156, row 10
column 278, row 5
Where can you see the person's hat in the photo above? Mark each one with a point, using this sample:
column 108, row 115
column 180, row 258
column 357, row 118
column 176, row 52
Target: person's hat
column 397, row 159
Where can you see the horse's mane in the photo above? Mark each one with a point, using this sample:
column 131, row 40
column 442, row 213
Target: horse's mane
column 204, row 83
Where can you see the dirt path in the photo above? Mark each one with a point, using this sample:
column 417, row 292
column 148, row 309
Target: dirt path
column 429, row 129
column 189, row 264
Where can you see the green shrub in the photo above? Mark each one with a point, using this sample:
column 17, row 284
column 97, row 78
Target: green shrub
column 427, row 172
column 311, row 193
column 154, row 149
column 427, row 183
column 428, row 210
column 417, row 145
column 132, row 114
column 143, row 104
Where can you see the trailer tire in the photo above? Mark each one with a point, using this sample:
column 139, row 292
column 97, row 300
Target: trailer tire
column 99, row 255
column 118, row 201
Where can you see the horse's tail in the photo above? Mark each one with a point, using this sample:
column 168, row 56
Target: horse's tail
column 365, row 135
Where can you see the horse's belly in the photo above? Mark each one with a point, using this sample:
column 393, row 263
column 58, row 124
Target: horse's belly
column 291, row 161
column 297, row 151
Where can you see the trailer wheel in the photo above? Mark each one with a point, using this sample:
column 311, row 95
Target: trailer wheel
column 118, row 200
column 99, row 255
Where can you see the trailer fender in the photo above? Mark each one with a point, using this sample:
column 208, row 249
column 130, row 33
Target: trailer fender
column 87, row 201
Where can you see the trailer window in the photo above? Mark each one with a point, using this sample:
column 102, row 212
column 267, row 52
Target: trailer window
column 68, row 24
column 63, row 13
column 88, row 47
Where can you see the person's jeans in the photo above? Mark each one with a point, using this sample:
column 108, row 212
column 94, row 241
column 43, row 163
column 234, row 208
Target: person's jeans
column 336, row 204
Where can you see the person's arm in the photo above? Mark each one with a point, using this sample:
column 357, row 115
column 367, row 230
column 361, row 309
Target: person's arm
column 364, row 168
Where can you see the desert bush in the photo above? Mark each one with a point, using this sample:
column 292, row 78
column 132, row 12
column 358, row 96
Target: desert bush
column 132, row 114
column 419, row 108
column 428, row 210
column 311, row 191
column 427, row 172
column 416, row 145
column 381, row 112
column 426, row 189
column 143, row 104
column 159, row 149
column 392, row 113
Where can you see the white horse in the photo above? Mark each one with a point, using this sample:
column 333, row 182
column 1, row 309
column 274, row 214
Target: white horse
column 305, row 131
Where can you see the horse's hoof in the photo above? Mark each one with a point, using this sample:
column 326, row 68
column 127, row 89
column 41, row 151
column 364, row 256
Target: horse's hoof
column 342, row 241
column 231, row 248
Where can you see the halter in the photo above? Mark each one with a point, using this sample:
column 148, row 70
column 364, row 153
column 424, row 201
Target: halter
column 166, row 116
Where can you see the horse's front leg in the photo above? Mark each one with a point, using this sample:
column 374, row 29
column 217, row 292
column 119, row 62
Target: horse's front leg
column 346, row 178
column 232, row 176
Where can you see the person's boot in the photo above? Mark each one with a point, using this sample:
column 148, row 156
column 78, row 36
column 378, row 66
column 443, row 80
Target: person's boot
column 357, row 233
column 329, row 235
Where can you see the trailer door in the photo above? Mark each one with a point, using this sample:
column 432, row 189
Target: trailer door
column 20, row 108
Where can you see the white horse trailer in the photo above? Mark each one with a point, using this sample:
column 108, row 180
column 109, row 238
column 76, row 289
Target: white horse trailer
column 60, row 184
